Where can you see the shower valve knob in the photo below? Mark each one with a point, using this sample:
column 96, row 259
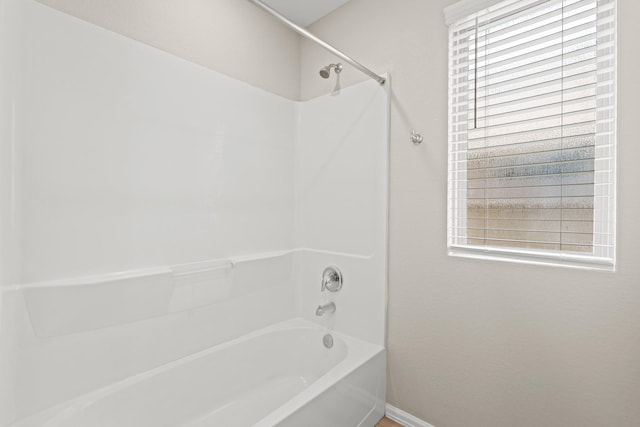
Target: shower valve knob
column 331, row 279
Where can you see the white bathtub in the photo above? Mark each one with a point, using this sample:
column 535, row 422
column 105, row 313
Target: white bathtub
column 281, row 375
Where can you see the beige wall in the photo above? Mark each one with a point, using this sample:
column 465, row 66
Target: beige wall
column 230, row 36
column 479, row 343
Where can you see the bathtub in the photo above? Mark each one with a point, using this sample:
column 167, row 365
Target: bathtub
column 278, row 376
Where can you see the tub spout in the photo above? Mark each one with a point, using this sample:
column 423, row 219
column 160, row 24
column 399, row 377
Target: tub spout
column 326, row 308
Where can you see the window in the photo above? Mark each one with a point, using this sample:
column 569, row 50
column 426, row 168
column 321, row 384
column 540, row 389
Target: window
column 532, row 131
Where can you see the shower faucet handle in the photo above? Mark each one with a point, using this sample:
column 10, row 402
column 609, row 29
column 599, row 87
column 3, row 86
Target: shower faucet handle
column 331, row 279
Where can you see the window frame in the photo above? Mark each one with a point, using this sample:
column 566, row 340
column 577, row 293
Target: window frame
column 605, row 136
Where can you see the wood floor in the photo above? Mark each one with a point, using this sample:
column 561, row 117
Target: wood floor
column 386, row 422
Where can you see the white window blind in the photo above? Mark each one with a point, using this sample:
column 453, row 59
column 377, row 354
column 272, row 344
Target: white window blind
column 532, row 132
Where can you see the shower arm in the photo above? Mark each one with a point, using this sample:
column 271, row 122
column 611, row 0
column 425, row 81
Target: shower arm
column 322, row 43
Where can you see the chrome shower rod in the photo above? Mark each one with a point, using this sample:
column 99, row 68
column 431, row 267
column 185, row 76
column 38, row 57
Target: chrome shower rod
column 322, row 43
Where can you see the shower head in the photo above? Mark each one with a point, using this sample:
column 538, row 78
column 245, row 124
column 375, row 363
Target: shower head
column 325, row 72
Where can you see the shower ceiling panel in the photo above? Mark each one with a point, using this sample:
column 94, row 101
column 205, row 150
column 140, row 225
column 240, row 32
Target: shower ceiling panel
column 305, row 12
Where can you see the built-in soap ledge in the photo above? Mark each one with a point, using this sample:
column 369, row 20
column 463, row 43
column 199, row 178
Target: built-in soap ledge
column 200, row 284
column 205, row 283
column 84, row 304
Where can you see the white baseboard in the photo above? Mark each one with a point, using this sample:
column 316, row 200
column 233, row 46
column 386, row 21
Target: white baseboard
column 404, row 418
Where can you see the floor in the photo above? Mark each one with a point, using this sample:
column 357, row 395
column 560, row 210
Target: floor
column 386, row 422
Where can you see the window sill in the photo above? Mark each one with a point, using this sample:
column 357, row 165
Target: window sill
column 533, row 257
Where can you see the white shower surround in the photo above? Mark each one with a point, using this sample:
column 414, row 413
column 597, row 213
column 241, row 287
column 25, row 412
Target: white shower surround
column 200, row 207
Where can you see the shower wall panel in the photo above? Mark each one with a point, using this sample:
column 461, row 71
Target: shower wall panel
column 341, row 205
column 135, row 158
column 130, row 162
column 9, row 207
column 9, row 161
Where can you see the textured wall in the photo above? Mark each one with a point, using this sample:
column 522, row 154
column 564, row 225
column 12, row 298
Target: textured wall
column 480, row 343
column 230, row 36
